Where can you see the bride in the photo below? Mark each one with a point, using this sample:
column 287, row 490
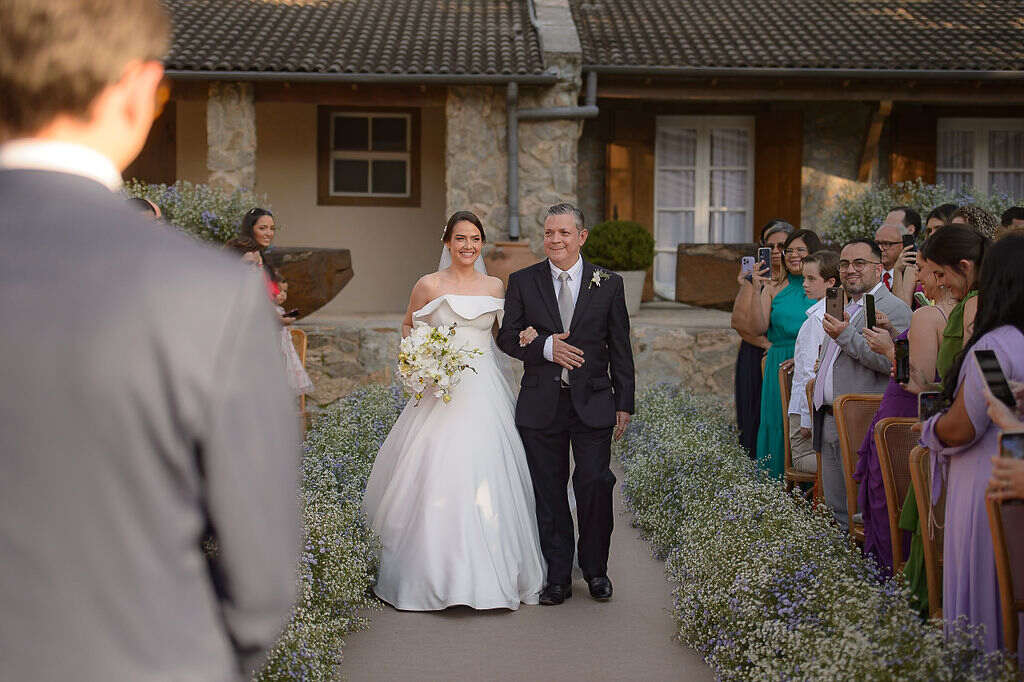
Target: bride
column 450, row 493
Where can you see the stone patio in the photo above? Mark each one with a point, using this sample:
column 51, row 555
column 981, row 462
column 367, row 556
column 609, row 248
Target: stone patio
column 671, row 342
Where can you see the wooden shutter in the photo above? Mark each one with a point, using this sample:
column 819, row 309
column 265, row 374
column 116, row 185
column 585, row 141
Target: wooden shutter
column 158, row 160
column 914, row 139
column 778, row 158
column 629, row 189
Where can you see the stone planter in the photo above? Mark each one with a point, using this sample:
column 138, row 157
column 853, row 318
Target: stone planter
column 314, row 276
column 507, row 257
column 633, row 283
column 706, row 273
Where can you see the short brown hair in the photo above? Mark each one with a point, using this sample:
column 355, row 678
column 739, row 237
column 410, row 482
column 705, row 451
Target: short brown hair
column 828, row 263
column 57, row 56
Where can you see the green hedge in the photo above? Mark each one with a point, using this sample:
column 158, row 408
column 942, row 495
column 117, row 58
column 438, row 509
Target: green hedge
column 767, row 588
column 620, row 245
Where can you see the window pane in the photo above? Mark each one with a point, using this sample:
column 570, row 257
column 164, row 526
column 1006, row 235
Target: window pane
column 674, row 228
column 677, row 147
column 351, row 133
column 729, row 147
column 675, row 189
column 729, row 227
column 665, row 269
column 955, row 181
column 1011, row 184
column 351, row 175
column 956, row 149
column 728, row 189
column 1006, row 149
column 389, row 134
column 389, row 177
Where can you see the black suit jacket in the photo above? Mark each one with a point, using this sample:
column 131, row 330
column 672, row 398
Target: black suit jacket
column 600, row 327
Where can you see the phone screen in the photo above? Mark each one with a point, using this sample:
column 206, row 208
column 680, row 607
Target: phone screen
column 929, row 404
column 902, row 354
column 1011, row 445
column 869, row 311
column 834, row 302
column 994, row 377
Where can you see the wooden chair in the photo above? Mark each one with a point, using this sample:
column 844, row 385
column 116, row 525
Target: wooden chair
column 299, row 341
column 894, row 440
column 932, row 518
column 790, row 475
column 853, row 413
column 1006, row 521
column 819, row 491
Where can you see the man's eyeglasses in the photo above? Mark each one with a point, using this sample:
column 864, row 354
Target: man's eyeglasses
column 796, row 251
column 889, row 245
column 857, row 264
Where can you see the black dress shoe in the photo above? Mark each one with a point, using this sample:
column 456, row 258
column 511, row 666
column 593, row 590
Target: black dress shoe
column 600, row 588
column 553, row 595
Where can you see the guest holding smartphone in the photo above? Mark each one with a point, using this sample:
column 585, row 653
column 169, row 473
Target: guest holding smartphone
column 753, row 346
column 963, row 439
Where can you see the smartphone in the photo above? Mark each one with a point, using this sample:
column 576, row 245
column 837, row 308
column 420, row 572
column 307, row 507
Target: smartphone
column 764, row 257
column 869, row 311
column 988, row 363
column 834, row 302
column 902, row 361
column 929, row 404
column 747, row 267
column 921, row 299
column 908, row 240
column 1011, row 444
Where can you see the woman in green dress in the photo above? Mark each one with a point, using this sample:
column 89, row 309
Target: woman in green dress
column 954, row 254
column 783, row 308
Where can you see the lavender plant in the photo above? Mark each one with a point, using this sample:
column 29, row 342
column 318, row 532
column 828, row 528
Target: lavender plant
column 201, row 210
column 860, row 212
column 338, row 561
column 767, row 587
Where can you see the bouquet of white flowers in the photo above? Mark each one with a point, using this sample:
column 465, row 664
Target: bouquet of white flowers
column 429, row 361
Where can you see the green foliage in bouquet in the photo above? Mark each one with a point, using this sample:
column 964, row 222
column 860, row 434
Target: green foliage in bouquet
column 202, row 211
column 767, row 587
column 620, row 245
column 859, row 213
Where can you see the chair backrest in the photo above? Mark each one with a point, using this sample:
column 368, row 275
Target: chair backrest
column 894, row 440
column 1006, row 521
column 785, row 388
column 932, row 519
column 299, row 341
column 854, row 413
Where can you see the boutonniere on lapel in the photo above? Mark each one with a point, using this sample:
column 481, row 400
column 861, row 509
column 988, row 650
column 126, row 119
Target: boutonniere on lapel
column 599, row 276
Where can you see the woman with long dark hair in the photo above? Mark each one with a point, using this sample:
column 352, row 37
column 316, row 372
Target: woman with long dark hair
column 963, row 439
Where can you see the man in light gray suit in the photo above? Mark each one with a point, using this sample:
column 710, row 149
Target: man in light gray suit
column 847, row 364
column 144, row 402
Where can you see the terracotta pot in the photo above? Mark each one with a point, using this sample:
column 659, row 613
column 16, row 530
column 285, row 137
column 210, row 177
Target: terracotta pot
column 507, row 257
column 314, row 276
column 633, row 284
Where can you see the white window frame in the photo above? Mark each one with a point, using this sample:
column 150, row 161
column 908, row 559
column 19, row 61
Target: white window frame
column 980, row 127
column 702, row 178
column 371, row 156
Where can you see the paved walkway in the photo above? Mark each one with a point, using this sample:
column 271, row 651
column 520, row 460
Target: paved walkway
column 628, row 638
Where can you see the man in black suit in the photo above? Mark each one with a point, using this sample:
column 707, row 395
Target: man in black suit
column 144, row 402
column 577, row 389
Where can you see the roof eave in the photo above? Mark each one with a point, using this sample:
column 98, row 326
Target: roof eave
column 725, row 72
column 368, row 78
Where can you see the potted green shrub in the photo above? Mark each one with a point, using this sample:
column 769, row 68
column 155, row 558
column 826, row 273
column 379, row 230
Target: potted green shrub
column 626, row 248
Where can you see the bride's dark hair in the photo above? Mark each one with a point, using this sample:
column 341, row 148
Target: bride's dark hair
column 458, row 217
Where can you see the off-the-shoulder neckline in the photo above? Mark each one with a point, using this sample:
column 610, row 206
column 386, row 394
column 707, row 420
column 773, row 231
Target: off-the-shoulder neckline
column 444, row 296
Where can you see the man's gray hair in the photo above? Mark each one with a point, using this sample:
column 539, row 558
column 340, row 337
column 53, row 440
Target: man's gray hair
column 568, row 209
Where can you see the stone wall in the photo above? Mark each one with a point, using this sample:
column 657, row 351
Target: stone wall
column 231, row 136
column 833, row 139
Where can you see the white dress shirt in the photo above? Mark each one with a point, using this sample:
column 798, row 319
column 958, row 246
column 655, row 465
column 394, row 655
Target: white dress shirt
column 805, row 353
column 575, row 275
column 825, row 372
column 61, row 157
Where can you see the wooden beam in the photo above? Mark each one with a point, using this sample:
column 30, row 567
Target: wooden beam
column 869, row 155
column 351, row 94
column 724, row 93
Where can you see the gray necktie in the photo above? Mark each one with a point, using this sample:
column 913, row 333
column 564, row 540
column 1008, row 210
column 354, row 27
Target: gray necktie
column 565, row 307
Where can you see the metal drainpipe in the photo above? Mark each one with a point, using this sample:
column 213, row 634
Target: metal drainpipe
column 588, row 110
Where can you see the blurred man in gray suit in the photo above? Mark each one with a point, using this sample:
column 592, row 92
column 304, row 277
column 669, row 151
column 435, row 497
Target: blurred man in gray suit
column 847, row 364
column 144, row 401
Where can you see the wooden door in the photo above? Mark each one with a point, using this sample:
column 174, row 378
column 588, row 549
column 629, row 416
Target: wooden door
column 629, row 188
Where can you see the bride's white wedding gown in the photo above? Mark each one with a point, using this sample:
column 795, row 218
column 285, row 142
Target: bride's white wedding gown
column 450, row 493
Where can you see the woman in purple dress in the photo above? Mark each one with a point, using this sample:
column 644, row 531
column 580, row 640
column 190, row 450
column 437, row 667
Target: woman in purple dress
column 963, row 440
column 925, row 336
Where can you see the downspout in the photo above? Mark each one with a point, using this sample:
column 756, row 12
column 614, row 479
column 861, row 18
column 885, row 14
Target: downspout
column 515, row 114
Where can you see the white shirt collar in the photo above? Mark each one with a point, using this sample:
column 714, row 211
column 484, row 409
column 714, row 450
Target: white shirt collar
column 817, row 310
column 575, row 272
column 61, row 157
